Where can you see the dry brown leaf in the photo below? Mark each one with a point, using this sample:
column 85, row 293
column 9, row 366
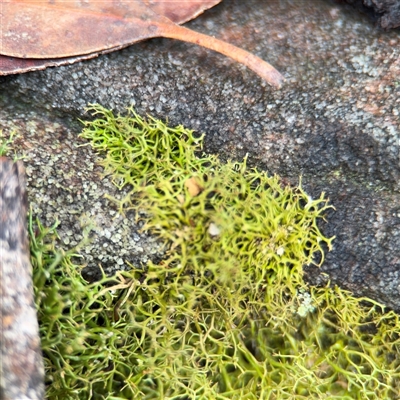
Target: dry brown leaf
column 40, row 33
column 193, row 186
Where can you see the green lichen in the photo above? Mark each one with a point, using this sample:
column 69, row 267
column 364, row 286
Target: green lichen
column 226, row 314
column 6, row 146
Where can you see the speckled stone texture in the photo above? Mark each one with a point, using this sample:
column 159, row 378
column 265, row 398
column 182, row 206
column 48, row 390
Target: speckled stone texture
column 335, row 122
column 385, row 12
column 21, row 364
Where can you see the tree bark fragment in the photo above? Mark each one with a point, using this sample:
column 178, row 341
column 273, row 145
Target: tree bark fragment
column 21, row 364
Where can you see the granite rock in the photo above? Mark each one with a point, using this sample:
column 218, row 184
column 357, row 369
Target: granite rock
column 386, row 13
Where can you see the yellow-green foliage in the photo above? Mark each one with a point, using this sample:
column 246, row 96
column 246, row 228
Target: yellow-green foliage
column 6, row 146
column 226, row 314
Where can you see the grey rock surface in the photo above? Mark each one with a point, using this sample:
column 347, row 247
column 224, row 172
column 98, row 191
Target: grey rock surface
column 335, row 122
column 385, row 12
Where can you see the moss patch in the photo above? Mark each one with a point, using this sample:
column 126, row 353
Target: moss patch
column 6, row 146
column 226, row 315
